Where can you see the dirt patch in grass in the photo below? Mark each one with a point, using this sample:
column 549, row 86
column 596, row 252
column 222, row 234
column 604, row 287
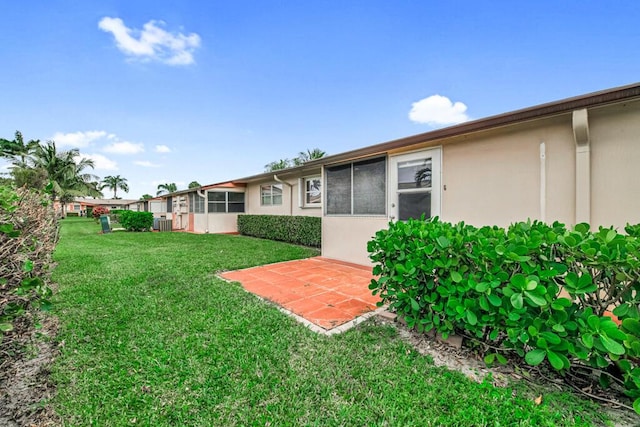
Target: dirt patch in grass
column 25, row 387
column 467, row 361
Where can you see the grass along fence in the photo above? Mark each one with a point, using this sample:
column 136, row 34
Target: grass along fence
column 152, row 337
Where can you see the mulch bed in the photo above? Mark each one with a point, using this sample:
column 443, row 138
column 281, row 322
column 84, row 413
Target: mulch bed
column 467, row 361
column 26, row 356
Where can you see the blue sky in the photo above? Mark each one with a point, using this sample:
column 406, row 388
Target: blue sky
column 160, row 91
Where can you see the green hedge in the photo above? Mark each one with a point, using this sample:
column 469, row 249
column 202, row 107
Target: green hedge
column 301, row 230
column 533, row 290
column 136, row 221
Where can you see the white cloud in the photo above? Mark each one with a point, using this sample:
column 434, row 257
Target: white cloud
column 152, row 42
column 437, row 110
column 78, row 139
column 124, row 147
column 101, row 162
column 162, row 149
column 146, row 164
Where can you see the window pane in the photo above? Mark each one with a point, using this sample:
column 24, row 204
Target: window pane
column 413, row 205
column 236, row 207
column 271, row 194
column 217, row 196
column 265, row 193
column 236, row 197
column 313, row 191
column 313, row 199
column 414, row 174
column 369, row 187
column 217, row 207
column 338, row 190
column 199, row 204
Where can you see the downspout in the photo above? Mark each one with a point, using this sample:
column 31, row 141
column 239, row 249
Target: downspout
column 290, row 192
column 583, row 165
column 543, row 182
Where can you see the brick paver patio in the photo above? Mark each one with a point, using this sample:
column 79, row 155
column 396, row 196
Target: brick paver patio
column 325, row 292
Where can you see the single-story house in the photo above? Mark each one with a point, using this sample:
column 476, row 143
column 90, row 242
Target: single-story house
column 207, row 209
column 573, row 161
column 79, row 205
column 215, row 208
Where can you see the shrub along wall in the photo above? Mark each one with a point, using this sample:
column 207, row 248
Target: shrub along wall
column 136, row 221
column 539, row 291
column 301, row 230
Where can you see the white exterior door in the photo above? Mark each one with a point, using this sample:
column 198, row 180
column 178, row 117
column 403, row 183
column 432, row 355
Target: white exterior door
column 414, row 185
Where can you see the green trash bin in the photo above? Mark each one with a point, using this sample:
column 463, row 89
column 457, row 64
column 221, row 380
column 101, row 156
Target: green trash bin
column 106, row 223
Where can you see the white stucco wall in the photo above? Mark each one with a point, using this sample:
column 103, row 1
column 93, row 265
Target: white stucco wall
column 291, row 203
column 157, row 207
column 345, row 237
column 615, row 165
column 222, row 222
column 495, row 178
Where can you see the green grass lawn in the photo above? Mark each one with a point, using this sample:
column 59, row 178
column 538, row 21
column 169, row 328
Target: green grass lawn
column 152, row 337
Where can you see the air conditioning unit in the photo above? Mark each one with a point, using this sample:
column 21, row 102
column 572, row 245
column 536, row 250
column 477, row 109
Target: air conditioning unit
column 165, row 225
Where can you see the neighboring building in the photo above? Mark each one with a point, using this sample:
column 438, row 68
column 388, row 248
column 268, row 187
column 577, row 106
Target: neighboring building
column 573, row 160
column 81, row 204
column 215, row 208
column 208, row 209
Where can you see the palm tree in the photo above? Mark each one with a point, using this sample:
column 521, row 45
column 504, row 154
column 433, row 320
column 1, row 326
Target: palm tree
column 167, row 188
column 146, row 197
column 16, row 150
column 115, row 182
column 78, row 184
column 64, row 171
column 277, row 165
column 307, row 156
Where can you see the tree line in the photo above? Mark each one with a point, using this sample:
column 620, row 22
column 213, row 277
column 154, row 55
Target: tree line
column 302, row 158
column 37, row 165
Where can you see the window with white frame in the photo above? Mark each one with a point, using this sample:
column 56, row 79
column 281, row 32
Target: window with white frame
column 225, row 201
column 196, row 203
column 271, row 194
column 312, row 192
column 357, row 188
